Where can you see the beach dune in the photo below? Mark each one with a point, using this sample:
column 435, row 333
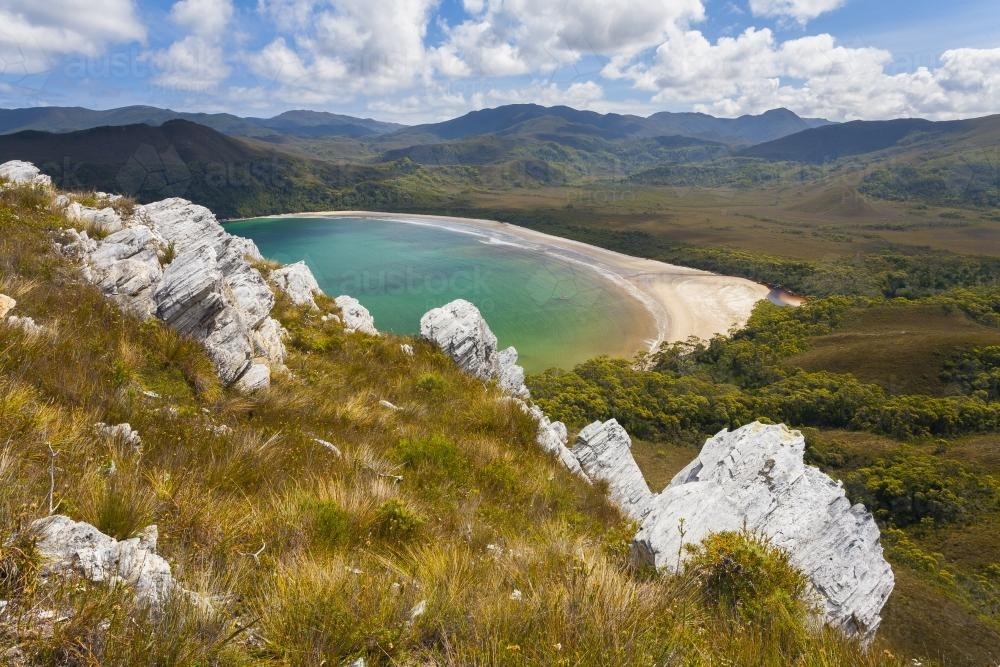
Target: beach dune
column 683, row 302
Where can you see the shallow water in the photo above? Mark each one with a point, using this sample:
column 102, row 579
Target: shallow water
column 554, row 312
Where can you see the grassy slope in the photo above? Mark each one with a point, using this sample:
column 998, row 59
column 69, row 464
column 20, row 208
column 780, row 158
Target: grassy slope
column 313, row 558
column 938, row 610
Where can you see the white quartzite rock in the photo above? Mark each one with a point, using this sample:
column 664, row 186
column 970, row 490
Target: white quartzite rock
column 208, row 288
column 755, row 477
column 104, row 220
column 124, row 432
column 460, row 331
column 355, row 316
column 24, row 173
column 7, row 304
column 68, row 546
column 605, row 454
column 298, row 282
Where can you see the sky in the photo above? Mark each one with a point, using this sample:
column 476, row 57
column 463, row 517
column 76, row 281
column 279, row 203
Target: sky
column 413, row 61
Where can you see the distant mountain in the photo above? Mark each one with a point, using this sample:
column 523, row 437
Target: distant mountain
column 181, row 158
column 560, row 122
column 306, row 124
column 824, row 144
column 744, row 130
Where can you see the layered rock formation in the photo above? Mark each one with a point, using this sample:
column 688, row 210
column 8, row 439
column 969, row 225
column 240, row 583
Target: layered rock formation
column 755, row 478
column 66, row 546
column 174, row 261
column 460, row 331
column 604, row 452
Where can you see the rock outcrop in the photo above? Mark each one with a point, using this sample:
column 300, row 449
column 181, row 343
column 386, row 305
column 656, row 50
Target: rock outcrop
column 552, row 437
column 460, row 331
column 298, row 283
column 604, row 452
column 755, row 478
column 174, row 261
column 355, row 317
column 24, row 173
column 70, row 547
column 104, row 220
column 123, row 432
column 7, row 304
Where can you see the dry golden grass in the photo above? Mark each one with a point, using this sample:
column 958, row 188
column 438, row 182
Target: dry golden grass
column 445, row 507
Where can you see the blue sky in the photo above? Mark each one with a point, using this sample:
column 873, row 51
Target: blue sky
column 421, row 60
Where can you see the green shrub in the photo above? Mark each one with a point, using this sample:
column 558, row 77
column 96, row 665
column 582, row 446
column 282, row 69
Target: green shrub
column 746, row 577
column 394, row 520
column 331, row 524
column 431, row 383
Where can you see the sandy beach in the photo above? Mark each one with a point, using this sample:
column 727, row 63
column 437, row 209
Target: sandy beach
column 682, row 301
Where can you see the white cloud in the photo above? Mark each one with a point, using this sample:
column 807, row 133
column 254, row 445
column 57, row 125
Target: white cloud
column 802, row 11
column 197, row 62
column 812, row 75
column 33, row 33
column 202, row 17
column 347, row 47
column 193, row 64
column 518, row 36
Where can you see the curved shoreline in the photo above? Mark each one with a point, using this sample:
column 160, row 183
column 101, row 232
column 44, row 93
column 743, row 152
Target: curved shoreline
column 683, row 302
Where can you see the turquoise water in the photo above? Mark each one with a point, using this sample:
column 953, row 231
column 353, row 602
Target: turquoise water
column 555, row 313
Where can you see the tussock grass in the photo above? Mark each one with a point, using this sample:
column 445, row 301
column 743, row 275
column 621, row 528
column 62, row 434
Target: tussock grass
column 439, row 535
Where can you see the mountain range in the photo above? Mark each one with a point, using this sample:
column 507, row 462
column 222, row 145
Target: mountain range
column 306, row 159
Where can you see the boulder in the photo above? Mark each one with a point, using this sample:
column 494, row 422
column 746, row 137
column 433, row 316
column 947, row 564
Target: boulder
column 356, row 317
column 7, row 304
column 24, row 173
column 755, row 478
column 70, row 547
column 604, row 452
column 461, row 332
column 298, row 283
column 208, row 289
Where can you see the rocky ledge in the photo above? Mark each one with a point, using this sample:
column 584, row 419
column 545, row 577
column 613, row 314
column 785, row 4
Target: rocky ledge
column 753, row 478
column 173, row 260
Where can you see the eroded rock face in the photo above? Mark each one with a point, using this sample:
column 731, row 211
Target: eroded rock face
column 355, row 317
column 24, row 173
column 68, row 546
column 174, row 261
column 298, row 283
column 754, row 477
column 605, row 454
column 460, row 331
column 552, row 437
